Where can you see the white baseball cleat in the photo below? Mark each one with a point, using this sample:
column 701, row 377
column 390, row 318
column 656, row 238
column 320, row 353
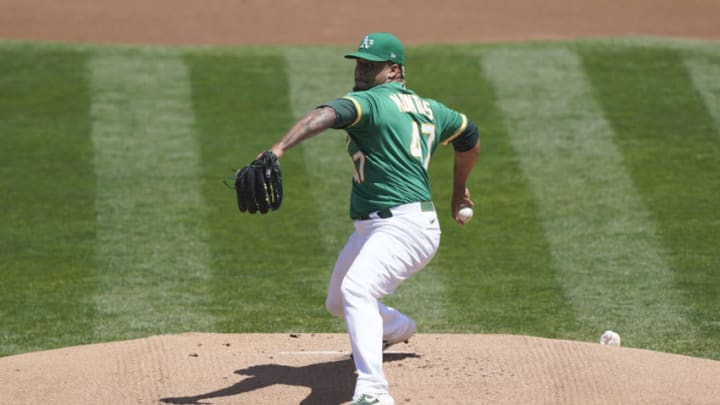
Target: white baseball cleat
column 369, row 399
column 405, row 337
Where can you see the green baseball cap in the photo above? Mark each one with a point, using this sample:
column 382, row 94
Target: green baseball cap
column 380, row 47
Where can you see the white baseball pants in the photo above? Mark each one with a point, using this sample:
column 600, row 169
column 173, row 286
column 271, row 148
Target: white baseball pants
column 378, row 256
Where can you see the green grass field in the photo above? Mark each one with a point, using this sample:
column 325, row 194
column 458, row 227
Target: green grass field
column 597, row 193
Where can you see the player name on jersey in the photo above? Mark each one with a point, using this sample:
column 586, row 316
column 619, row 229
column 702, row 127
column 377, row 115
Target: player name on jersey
column 411, row 103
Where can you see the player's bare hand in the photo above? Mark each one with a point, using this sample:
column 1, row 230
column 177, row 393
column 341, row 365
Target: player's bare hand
column 460, row 200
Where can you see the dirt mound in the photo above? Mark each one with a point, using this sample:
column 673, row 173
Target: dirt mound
column 317, row 369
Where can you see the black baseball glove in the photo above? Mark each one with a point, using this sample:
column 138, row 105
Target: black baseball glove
column 259, row 185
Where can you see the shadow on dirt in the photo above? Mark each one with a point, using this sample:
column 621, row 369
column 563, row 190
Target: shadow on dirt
column 330, row 382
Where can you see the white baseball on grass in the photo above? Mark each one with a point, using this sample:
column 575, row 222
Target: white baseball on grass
column 465, row 214
column 610, row 338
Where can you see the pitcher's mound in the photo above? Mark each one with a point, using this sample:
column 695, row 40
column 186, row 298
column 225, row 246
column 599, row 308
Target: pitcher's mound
column 317, row 369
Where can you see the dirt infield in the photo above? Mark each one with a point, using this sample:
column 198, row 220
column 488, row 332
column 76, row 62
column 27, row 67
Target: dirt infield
column 316, row 368
column 340, row 22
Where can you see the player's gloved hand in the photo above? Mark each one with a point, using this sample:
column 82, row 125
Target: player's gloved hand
column 259, row 185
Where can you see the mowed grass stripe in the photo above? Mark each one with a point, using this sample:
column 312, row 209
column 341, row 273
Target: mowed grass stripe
column 602, row 237
column 667, row 133
column 497, row 271
column 705, row 75
column 152, row 256
column 269, row 271
column 47, row 222
column 326, row 158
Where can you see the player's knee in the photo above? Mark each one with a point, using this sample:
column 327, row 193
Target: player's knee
column 334, row 305
column 354, row 291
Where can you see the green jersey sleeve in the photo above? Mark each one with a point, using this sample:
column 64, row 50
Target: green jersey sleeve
column 345, row 112
column 449, row 123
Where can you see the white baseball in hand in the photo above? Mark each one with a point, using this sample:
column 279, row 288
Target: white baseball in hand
column 465, row 214
column 610, row 338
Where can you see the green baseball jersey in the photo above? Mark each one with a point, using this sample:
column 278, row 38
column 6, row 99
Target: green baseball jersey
column 391, row 142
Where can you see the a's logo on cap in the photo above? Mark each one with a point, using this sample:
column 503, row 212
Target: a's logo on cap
column 366, row 43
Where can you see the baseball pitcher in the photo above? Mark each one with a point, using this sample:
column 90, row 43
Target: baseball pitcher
column 391, row 134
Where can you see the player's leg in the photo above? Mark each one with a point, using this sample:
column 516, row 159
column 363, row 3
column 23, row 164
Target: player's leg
column 397, row 327
column 393, row 250
column 334, row 301
column 421, row 241
column 365, row 329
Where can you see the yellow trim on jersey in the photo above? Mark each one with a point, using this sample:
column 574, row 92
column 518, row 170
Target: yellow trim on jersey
column 358, row 108
column 458, row 132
